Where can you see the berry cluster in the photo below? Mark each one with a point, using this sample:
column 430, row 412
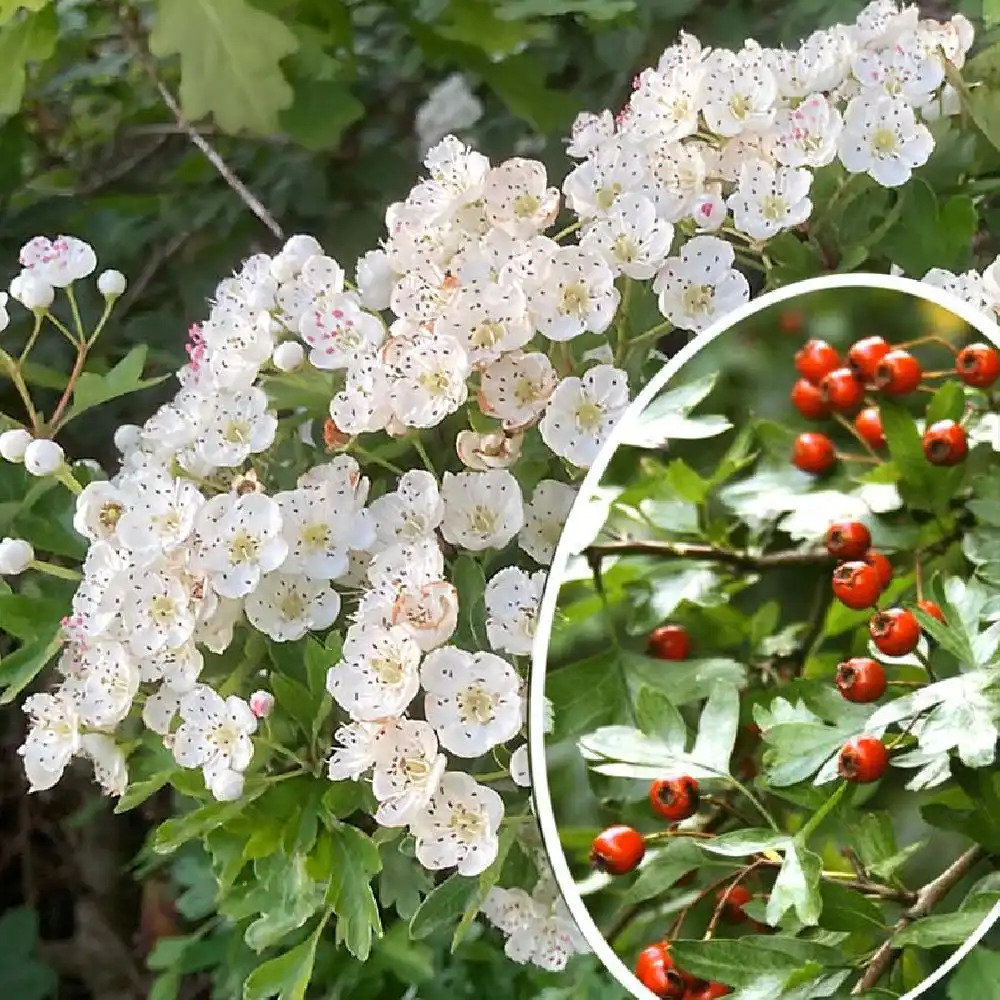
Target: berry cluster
column 830, row 387
column 656, row 971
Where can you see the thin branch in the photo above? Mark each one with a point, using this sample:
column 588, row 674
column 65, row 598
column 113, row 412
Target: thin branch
column 130, row 31
column 712, row 553
column 927, row 898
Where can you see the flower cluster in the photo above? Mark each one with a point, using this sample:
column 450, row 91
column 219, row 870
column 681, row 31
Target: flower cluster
column 478, row 341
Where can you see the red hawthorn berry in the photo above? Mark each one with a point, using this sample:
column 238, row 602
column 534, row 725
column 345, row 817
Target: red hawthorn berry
column 654, row 968
column 978, row 365
column 863, row 759
column 674, row 798
column 848, row 540
column 895, row 631
column 881, row 565
column 865, row 355
column 669, row 642
column 856, row 585
column 932, row 609
column 733, row 900
column 842, row 390
column 898, row 373
column 813, row 453
column 945, row 443
column 815, row 359
column 808, row 400
column 617, row 850
column 868, row 423
column 861, row 679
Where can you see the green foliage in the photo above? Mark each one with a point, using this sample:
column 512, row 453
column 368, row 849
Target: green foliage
column 21, row 972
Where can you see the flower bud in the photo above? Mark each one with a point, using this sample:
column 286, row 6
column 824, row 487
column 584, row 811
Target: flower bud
column 13, row 444
column 111, row 284
column 42, row 457
column 226, row 785
column 288, row 356
column 127, row 437
column 32, row 292
column 4, row 315
column 262, row 704
column 15, row 556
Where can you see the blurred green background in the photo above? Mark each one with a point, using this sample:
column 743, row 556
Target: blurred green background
column 312, row 103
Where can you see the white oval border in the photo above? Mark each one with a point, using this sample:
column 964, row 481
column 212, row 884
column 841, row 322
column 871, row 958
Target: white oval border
column 536, row 685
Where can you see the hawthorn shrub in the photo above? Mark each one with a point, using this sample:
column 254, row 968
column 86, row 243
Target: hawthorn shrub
column 777, row 659
column 294, row 622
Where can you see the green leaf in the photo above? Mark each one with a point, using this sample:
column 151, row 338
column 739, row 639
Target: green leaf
column 470, row 582
column 126, row 377
column 26, row 617
column 520, row 82
column 741, row 843
column 670, row 863
column 30, row 40
column 178, row 830
column 21, row 973
column 355, row 861
column 485, row 882
column 981, row 102
column 739, row 962
column 943, row 929
column 139, row 791
column 685, row 482
column 287, row 976
column 976, row 977
column 445, row 904
column 599, row 10
column 8, row 8
column 948, row 403
column 321, row 112
column 656, row 716
column 797, row 886
column 844, row 909
column 403, row 882
column 20, row 668
column 296, row 700
column 230, row 54
column 905, row 447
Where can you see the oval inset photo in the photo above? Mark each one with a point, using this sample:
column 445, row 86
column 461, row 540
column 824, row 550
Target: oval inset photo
column 766, row 696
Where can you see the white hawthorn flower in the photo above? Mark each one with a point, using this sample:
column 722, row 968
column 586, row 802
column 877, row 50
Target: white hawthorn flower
column 883, row 139
column 426, row 377
column 665, row 103
column 32, row 292
column 473, row 700
column 701, row 285
column 410, row 513
column 482, row 510
column 740, row 92
column 518, row 199
column 374, row 278
column 769, row 199
column 407, row 771
column 459, row 826
column 53, row 738
column 158, row 612
column 589, row 133
column 356, row 753
column 177, row 666
column 363, row 406
column 970, row 286
column 238, row 425
column 512, row 598
column 238, row 539
column 377, row 676
column 99, row 508
column 631, row 240
column 516, row 388
column 807, row 135
column 593, row 187
column 110, row 769
column 545, row 517
column 340, row 333
column 582, row 413
column 214, row 735
column 58, row 262
column 577, row 294
column 159, row 517
column 910, row 69
column 286, row 606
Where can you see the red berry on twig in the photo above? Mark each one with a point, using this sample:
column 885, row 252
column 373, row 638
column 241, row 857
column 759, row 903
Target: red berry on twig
column 861, row 679
column 856, row 585
column 868, row 423
column 669, row 642
column 815, row 359
column 733, row 900
column 865, row 355
column 881, row 565
column 654, row 968
column 617, row 850
column 945, row 443
column 813, row 453
column 863, row 759
column 978, row 365
column 674, row 798
column 842, row 390
column 895, row 632
column 808, row 400
column 933, row 609
column 847, row 540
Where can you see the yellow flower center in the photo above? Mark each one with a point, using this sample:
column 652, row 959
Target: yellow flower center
column 475, row 703
column 589, row 416
column 698, row 299
column 884, row 141
column 162, row 609
column 774, row 207
column 292, row 606
column 575, row 299
column 607, row 196
column 469, row 825
column 315, row 537
column 244, row 548
column 525, row 206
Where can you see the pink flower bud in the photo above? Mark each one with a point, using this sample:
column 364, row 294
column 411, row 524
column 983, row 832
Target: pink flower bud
column 261, row 704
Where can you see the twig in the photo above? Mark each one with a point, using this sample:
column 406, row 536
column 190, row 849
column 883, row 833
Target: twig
column 927, row 898
column 130, row 32
column 156, row 260
column 731, row 557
